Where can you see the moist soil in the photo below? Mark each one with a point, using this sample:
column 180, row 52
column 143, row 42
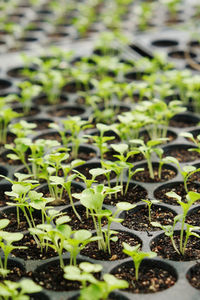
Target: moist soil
column 144, row 176
column 13, row 225
column 151, row 279
column 50, row 277
column 4, row 198
column 65, row 200
column 41, row 124
column 92, row 251
column 66, row 111
column 182, row 124
column 163, row 247
column 85, row 223
column 178, row 188
column 33, row 251
column 138, row 219
column 193, row 218
column 16, row 273
column 33, row 111
column 182, row 155
column 134, row 194
column 194, row 276
column 43, row 100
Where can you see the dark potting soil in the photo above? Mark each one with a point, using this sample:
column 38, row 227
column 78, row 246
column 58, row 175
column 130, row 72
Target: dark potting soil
column 83, row 155
column 51, row 278
column 194, row 276
column 33, row 251
column 4, row 198
column 43, row 100
column 163, row 247
column 33, row 111
column 92, row 251
column 16, row 273
column 85, row 223
column 193, row 217
column 134, row 194
column 9, row 139
column 182, row 124
column 144, row 176
column 65, row 200
column 178, row 188
column 66, row 111
column 41, row 124
column 13, row 225
column 138, row 219
column 182, row 154
column 170, row 135
column 151, row 279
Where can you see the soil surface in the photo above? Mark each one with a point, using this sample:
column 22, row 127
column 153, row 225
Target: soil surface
column 144, row 176
column 33, row 251
column 194, row 276
column 50, row 276
column 92, row 251
column 134, row 194
column 151, row 279
column 178, row 188
column 193, row 218
column 66, row 111
column 182, row 154
column 163, row 247
column 13, row 225
column 86, row 221
column 138, row 219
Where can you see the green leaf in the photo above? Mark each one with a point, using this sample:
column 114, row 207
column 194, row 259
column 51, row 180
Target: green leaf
column 125, row 206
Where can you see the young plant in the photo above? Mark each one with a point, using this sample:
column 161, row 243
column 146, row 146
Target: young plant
column 147, row 150
column 123, row 165
column 191, row 198
column 185, row 171
column 101, row 140
column 77, row 241
column 97, row 289
column 137, row 256
column 52, row 82
column 10, row 290
column 6, row 245
column 7, row 114
column 149, row 205
column 92, row 199
column 73, row 125
column 53, row 236
column 27, row 92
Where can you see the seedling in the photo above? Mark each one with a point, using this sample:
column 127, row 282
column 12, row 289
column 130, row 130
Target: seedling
column 149, row 205
column 7, row 114
column 185, row 171
column 73, row 125
column 191, row 198
column 77, row 242
column 92, row 199
column 96, row 289
column 27, row 93
column 147, row 149
column 22, row 128
column 6, row 244
column 137, row 256
column 18, row 290
column 82, row 273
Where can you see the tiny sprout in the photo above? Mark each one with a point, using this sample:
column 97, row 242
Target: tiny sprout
column 149, row 204
column 137, row 256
